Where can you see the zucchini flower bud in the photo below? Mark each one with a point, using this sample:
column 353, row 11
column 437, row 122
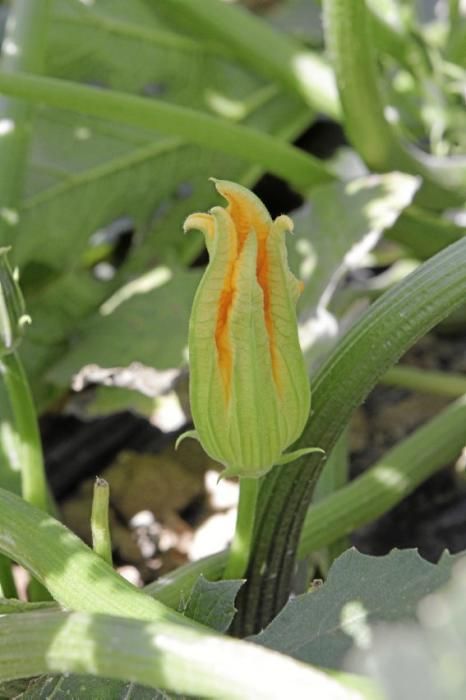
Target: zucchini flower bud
column 249, row 389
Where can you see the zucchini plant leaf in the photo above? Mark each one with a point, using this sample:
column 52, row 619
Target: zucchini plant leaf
column 321, row 627
column 212, row 603
column 423, row 658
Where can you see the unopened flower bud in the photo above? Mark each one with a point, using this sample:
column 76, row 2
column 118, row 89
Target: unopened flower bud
column 249, row 389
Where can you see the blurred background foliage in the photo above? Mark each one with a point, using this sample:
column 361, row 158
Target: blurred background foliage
column 107, row 275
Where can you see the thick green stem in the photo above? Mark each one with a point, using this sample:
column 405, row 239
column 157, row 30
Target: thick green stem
column 350, row 41
column 101, row 538
column 34, row 485
column 426, row 381
column 23, row 49
column 244, row 142
column 240, row 549
column 160, row 655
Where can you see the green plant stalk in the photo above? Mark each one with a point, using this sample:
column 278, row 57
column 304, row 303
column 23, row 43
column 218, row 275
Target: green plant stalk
column 161, row 655
column 349, row 39
column 426, row 381
column 195, row 127
column 33, row 481
column 455, row 49
column 240, row 549
column 271, row 53
column 10, row 465
column 333, row 478
column 391, row 479
column 369, row 496
column 23, row 49
column 389, row 327
column 101, row 538
column 10, row 478
column 7, row 582
column 424, row 234
column 393, row 41
column 76, row 577
column 153, row 35
column 454, row 13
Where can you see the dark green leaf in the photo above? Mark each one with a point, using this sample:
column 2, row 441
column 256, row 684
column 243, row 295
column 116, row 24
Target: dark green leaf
column 322, row 626
column 424, row 659
column 212, row 603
